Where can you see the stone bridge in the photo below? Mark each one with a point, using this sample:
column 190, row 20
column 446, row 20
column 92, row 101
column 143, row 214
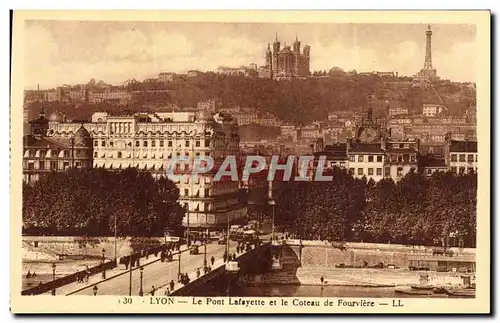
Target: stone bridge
column 219, row 281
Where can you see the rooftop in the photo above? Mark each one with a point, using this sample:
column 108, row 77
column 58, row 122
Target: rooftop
column 365, row 147
column 431, row 161
column 463, row 146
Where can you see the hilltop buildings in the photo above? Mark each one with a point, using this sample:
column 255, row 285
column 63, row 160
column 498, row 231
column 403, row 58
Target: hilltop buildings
column 286, row 62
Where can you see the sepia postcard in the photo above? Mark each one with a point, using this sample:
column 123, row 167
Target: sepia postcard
column 250, row 162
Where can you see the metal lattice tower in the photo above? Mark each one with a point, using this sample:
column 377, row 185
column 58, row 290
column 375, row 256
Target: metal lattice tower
column 428, row 49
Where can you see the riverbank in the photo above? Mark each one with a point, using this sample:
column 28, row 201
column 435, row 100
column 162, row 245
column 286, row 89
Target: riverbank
column 354, row 277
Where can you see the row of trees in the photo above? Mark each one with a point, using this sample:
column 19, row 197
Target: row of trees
column 415, row 210
column 87, row 202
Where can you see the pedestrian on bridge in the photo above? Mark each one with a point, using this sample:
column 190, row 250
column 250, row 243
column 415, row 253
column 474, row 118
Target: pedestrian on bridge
column 198, row 273
column 172, row 284
column 153, row 289
column 212, row 260
column 234, row 256
column 225, row 256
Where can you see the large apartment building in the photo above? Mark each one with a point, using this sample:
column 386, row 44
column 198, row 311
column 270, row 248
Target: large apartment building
column 147, row 141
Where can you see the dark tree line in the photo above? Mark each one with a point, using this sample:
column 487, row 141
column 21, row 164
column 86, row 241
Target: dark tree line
column 416, row 210
column 86, row 202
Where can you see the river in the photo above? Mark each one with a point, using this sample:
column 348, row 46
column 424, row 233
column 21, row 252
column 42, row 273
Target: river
column 317, row 291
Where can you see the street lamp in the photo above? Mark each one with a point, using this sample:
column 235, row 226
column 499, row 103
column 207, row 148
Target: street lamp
column 272, row 203
column 95, row 290
column 205, row 246
column 116, row 250
column 179, row 271
column 141, row 293
column 53, row 279
column 103, row 267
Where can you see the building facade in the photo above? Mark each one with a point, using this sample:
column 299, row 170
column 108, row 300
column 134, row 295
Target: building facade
column 366, row 159
column 431, row 110
column 147, row 141
column 43, row 154
column 461, row 156
column 401, row 158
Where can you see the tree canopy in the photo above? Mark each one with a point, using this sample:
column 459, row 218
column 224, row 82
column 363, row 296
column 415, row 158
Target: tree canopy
column 86, row 202
column 414, row 210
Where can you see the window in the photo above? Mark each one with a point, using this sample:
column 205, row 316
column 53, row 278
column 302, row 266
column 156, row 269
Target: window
column 42, row 164
column 406, row 158
column 186, row 192
column 412, row 158
column 370, row 171
column 95, row 154
column 53, row 165
column 461, row 170
column 111, row 144
column 31, row 166
column 145, row 143
column 400, row 171
column 65, row 165
column 400, row 159
column 453, row 157
column 119, row 154
column 207, row 192
column 370, row 159
column 352, row 158
column 137, row 143
column 153, row 143
column 66, row 153
column 360, row 158
column 387, row 171
column 351, row 171
column 476, row 158
column 454, row 170
column 103, row 143
column 379, row 159
column 412, row 170
column 170, row 143
column 178, row 154
column 429, row 171
column 470, row 158
column 197, row 143
column 461, row 157
column 161, row 143
column 360, row 171
column 207, row 142
column 78, row 165
column 96, row 143
column 379, row 171
column 187, row 143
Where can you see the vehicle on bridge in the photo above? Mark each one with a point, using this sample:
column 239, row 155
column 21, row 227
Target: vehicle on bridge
column 222, row 240
column 194, row 250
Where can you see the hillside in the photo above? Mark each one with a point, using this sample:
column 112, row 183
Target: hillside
column 255, row 132
column 298, row 101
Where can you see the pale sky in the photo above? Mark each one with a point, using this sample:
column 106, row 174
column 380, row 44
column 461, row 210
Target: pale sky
column 72, row 52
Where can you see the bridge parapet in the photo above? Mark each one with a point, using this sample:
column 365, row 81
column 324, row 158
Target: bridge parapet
column 249, row 262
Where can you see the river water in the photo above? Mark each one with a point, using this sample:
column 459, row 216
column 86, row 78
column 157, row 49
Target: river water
column 317, row 291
